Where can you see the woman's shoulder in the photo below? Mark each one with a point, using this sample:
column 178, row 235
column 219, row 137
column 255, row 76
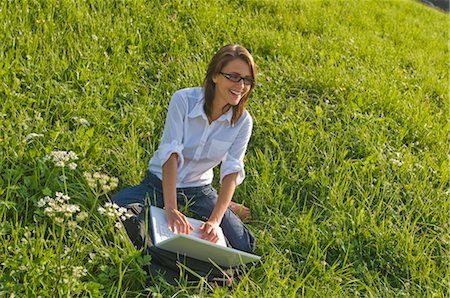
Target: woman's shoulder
column 245, row 119
column 192, row 93
column 188, row 98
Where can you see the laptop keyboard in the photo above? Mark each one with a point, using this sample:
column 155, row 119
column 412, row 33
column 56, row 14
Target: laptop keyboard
column 163, row 232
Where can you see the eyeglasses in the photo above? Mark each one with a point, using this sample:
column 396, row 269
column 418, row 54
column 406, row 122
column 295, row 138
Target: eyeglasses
column 237, row 78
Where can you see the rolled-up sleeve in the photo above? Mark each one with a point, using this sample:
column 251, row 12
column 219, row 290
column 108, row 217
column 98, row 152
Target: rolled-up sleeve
column 233, row 161
column 166, row 149
column 172, row 138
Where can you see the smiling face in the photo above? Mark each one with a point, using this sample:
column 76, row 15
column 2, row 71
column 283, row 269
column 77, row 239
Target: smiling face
column 228, row 92
column 222, row 92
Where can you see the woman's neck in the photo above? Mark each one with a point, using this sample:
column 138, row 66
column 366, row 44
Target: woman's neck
column 217, row 110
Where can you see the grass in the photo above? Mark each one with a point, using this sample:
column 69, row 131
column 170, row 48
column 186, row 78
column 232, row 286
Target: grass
column 347, row 168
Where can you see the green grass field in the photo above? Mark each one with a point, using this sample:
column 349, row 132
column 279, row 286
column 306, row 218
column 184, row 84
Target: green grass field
column 347, row 168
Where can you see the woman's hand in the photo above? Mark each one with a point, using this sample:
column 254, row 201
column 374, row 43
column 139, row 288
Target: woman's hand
column 210, row 231
column 178, row 223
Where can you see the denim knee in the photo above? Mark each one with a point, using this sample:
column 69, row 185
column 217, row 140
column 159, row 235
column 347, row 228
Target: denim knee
column 238, row 235
column 143, row 193
column 203, row 202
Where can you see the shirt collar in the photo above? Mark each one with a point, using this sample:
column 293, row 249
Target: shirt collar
column 198, row 111
column 227, row 116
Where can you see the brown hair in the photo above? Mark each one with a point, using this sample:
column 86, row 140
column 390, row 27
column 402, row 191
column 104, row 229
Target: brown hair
column 218, row 62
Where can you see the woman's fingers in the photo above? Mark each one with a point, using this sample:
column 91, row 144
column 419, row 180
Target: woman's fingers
column 209, row 232
column 185, row 226
column 178, row 223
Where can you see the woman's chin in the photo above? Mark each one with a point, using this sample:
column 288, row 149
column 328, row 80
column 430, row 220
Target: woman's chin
column 234, row 101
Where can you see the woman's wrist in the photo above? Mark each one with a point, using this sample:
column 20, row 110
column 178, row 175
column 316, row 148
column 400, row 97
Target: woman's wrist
column 223, row 201
column 170, row 205
column 214, row 221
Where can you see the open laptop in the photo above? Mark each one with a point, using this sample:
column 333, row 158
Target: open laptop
column 192, row 246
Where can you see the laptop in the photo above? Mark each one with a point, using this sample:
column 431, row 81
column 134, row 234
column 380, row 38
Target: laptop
column 192, row 246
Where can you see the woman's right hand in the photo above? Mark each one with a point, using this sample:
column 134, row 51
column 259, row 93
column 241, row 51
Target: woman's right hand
column 178, row 223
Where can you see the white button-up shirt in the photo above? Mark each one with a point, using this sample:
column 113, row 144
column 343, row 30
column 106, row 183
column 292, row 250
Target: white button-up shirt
column 201, row 146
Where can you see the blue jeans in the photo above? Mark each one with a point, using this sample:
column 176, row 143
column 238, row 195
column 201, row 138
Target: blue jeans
column 200, row 200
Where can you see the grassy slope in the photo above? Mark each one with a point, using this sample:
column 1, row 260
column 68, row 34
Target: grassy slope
column 347, row 170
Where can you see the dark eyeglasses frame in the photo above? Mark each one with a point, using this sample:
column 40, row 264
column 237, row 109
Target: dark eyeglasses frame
column 232, row 77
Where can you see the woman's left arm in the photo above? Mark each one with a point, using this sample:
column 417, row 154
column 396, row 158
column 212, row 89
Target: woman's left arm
column 231, row 175
column 226, row 192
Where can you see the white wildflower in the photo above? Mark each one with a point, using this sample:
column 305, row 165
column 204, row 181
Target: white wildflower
column 32, row 136
column 115, row 212
column 60, row 211
column 82, row 121
column 72, row 208
column 72, row 224
column 81, row 216
column 90, row 180
column 48, row 210
column 92, row 256
column 396, row 162
column 60, row 164
column 101, row 183
column 41, row 203
column 72, row 166
column 60, row 158
column 72, row 155
column 79, row 271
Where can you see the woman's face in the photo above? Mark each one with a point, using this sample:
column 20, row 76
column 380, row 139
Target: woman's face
column 227, row 91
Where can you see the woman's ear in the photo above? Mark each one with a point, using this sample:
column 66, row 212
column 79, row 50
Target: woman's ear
column 214, row 78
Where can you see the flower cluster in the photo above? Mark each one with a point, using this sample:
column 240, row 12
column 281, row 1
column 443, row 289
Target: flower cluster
column 32, row 136
column 61, row 158
column 79, row 271
column 72, row 275
column 113, row 211
column 60, row 211
column 100, row 182
column 81, row 121
column 64, row 269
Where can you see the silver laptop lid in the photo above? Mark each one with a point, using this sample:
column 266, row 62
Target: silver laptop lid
column 191, row 245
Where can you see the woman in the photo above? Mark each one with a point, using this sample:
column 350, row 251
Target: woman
column 204, row 127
